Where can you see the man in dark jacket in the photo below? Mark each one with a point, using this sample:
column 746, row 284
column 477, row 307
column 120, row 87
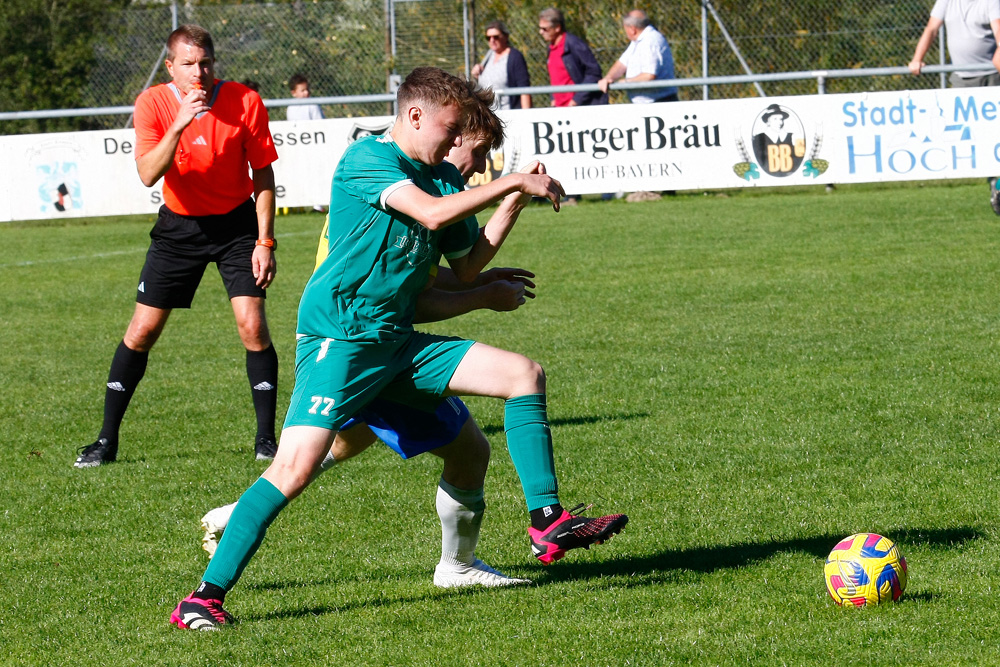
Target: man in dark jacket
column 570, row 61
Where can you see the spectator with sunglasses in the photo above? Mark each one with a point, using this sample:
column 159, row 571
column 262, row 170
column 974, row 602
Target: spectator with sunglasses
column 570, row 61
column 503, row 67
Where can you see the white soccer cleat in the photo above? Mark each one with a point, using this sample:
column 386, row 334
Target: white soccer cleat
column 477, row 574
column 214, row 524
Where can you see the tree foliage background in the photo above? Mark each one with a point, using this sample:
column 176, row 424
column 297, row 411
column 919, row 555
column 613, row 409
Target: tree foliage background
column 47, row 51
column 59, row 54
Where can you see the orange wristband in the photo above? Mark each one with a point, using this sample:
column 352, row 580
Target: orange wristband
column 268, row 243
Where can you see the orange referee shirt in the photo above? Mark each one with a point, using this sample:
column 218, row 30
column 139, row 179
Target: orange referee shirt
column 210, row 173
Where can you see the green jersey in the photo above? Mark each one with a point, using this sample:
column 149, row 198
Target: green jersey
column 379, row 259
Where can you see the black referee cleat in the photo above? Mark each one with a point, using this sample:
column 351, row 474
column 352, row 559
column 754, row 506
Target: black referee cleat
column 99, row 453
column 266, row 448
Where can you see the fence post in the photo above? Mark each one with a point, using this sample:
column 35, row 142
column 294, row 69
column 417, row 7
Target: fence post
column 941, row 42
column 704, row 47
column 470, row 47
column 467, row 36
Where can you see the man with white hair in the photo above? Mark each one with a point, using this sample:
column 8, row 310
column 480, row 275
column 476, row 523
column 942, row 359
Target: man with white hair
column 647, row 58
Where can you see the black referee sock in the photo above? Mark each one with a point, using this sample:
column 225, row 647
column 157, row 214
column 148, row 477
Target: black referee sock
column 543, row 517
column 127, row 369
column 262, row 371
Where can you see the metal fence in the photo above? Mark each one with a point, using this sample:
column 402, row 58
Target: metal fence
column 358, row 47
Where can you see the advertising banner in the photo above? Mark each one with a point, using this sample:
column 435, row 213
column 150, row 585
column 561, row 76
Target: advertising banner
column 711, row 144
column 868, row 137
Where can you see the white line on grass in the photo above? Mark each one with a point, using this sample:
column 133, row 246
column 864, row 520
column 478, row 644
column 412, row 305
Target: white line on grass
column 105, row 255
column 100, row 255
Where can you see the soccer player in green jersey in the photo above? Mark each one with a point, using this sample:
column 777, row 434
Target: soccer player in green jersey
column 449, row 431
column 395, row 209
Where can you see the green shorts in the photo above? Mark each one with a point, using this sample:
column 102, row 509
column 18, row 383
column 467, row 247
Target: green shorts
column 334, row 379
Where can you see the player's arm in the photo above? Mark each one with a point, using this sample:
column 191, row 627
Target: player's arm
column 264, row 265
column 438, row 212
column 492, row 236
column 924, row 44
column 434, row 305
column 448, row 281
column 155, row 163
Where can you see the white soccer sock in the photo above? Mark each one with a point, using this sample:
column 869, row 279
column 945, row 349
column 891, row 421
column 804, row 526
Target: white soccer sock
column 461, row 513
column 327, row 463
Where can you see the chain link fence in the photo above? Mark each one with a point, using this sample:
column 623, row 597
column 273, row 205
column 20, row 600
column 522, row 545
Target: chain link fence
column 358, row 47
column 770, row 35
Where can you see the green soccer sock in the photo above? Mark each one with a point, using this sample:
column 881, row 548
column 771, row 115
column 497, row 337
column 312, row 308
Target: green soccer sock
column 255, row 511
column 529, row 442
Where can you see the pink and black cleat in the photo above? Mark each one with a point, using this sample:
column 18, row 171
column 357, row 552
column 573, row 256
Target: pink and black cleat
column 572, row 531
column 195, row 614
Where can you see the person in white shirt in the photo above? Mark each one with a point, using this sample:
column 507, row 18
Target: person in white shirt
column 973, row 30
column 299, row 85
column 647, row 58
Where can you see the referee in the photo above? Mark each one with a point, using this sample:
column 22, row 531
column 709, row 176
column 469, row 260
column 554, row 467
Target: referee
column 209, row 141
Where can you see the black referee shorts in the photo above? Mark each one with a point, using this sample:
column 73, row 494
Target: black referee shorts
column 182, row 247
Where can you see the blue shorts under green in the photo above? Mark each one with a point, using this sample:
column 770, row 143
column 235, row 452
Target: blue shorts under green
column 334, row 379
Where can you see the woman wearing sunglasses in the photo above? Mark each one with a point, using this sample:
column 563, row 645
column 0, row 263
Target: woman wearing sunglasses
column 503, row 67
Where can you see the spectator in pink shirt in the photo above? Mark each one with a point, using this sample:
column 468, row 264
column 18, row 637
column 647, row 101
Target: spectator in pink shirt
column 570, row 61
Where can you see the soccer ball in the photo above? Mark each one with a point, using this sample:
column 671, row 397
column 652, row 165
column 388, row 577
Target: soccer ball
column 865, row 569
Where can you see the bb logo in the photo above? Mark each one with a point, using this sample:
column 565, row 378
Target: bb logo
column 779, row 144
column 779, row 141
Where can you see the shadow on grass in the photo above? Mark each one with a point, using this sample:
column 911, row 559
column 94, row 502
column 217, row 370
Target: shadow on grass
column 653, row 569
column 710, row 559
column 372, row 603
column 923, row 596
column 238, row 448
column 324, row 609
column 493, row 429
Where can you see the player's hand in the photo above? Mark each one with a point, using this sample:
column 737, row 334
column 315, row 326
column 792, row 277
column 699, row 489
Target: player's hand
column 507, row 295
column 542, row 185
column 916, row 66
column 194, row 103
column 495, row 274
column 523, row 198
column 264, row 266
column 535, row 167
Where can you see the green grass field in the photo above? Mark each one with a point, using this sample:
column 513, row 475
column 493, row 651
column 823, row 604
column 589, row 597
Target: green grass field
column 750, row 377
